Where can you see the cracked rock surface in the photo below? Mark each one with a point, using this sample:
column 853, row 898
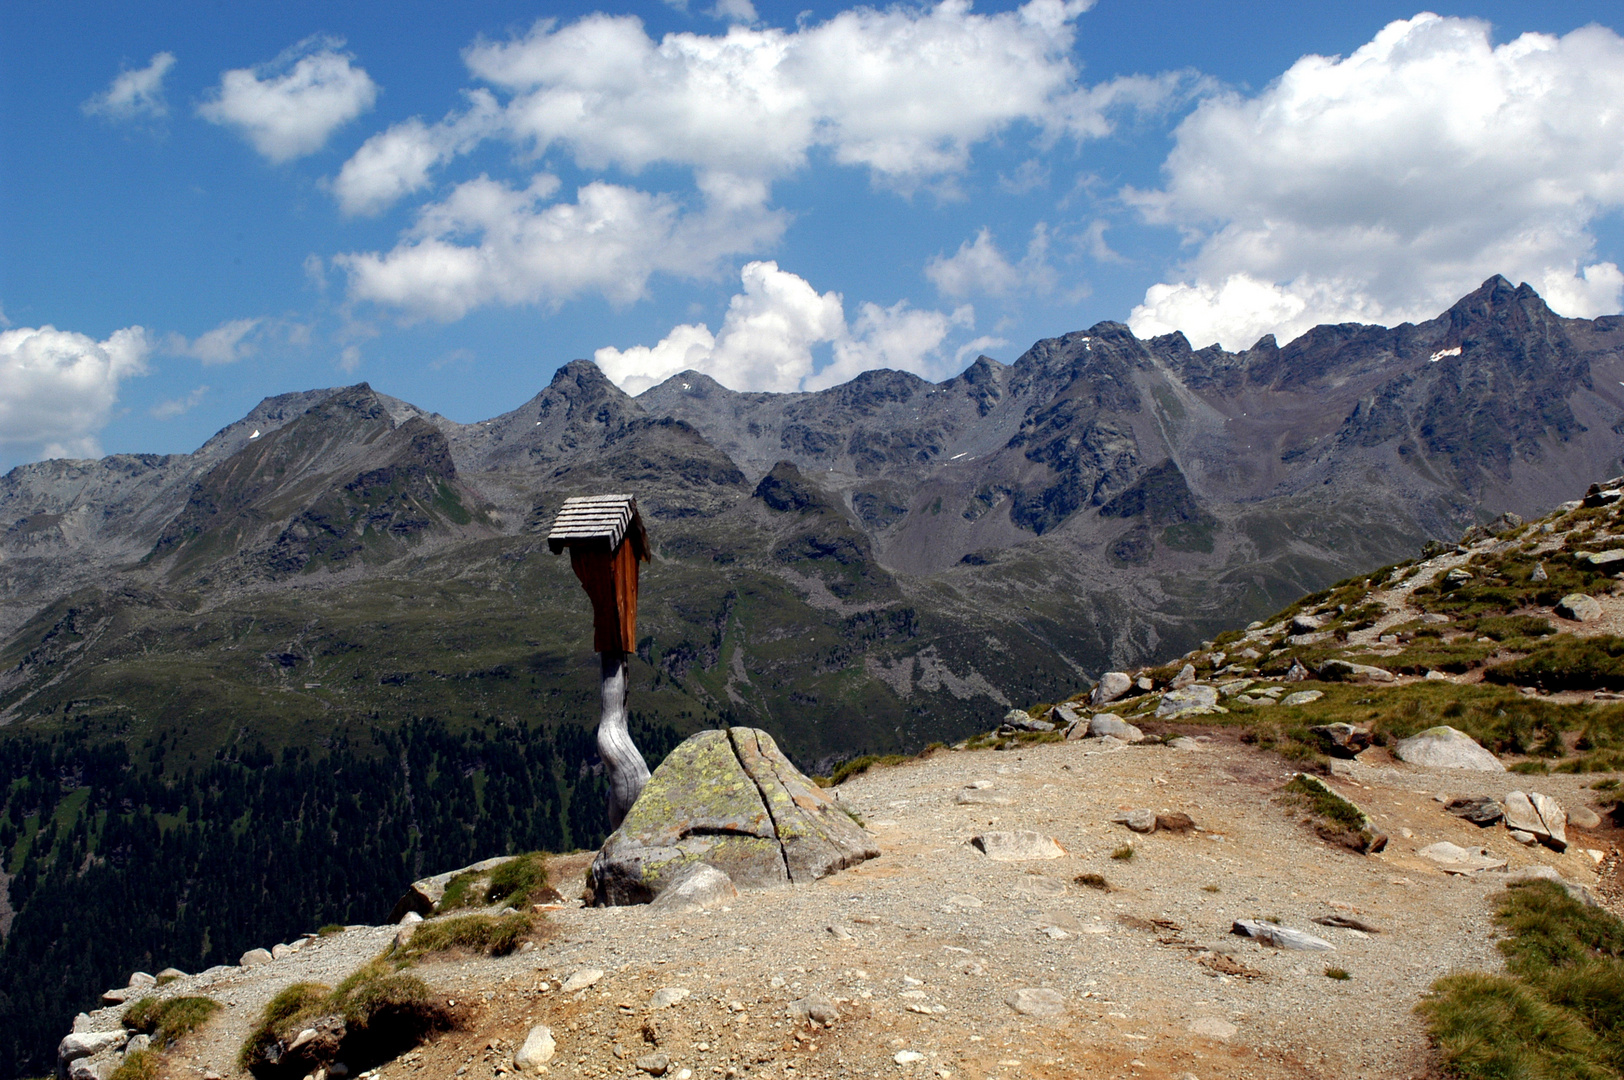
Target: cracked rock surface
column 732, row 801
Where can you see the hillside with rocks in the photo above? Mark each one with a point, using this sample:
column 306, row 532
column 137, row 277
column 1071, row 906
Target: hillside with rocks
column 1253, row 861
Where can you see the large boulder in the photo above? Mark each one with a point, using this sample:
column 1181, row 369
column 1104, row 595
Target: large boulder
column 425, row 895
column 1445, row 747
column 731, row 800
column 1112, row 685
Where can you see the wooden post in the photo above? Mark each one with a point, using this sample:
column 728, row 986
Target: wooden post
column 606, row 541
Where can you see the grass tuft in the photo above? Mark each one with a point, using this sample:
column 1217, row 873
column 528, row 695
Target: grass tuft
column 1093, row 881
column 329, row 930
column 141, row 1065
column 1558, row 1012
column 1123, row 853
column 496, row 935
column 384, row 1011
column 1339, row 974
column 169, row 1019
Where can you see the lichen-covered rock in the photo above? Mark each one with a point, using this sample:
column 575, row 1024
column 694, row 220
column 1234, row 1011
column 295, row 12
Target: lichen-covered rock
column 731, row 800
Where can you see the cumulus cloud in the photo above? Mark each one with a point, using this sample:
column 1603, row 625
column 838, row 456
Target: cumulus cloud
column 58, row 388
column 225, row 344
column 397, row 162
column 904, row 93
column 288, row 108
column 769, row 334
column 979, row 267
column 134, row 95
column 528, row 249
column 1383, row 186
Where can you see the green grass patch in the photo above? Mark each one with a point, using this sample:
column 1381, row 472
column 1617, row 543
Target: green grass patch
column 283, row 1016
column 516, row 881
column 329, row 930
column 1339, row 974
column 1123, row 853
column 168, row 1019
column 496, row 935
column 141, row 1065
column 1559, row 1010
column 858, row 765
column 1565, row 662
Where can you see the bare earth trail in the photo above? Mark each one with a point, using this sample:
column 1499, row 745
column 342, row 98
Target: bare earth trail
column 921, row 949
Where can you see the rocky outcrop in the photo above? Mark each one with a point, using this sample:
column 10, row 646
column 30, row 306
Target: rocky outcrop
column 732, row 801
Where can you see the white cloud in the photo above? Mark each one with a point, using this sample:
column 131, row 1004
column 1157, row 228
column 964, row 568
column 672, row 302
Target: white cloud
column 740, row 11
column 904, row 92
column 979, row 267
column 58, row 388
column 288, row 108
column 134, row 95
column 396, row 162
column 225, row 344
column 769, row 334
column 168, row 410
column 529, row 250
column 1384, row 186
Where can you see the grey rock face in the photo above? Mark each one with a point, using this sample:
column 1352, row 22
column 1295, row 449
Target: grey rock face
column 731, row 800
column 254, row 957
column 1191, row 699
column 1579, row 607
column 1184, row 678
column 1113, row 725
column 1113, row 684
column 1302, row 697
column 1480, row 810
column 1444, row 747
column 700, row 886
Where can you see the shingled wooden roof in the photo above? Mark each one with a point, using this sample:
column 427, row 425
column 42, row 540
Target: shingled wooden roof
column 597, row 520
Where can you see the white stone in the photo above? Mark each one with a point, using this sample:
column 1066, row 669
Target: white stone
column 1454, row 859
column 1018, row 845
column 87, row 1043
column 1211, row 1027
column 1302, row 697
column 538, row 1049
column 410, row 917
column 580, row 980
column 1444, row 747
column 667, row 996
column 1037, row 1001
column 140, row 980
column 254, row 957
column 907, row 1057
column 1282, row 937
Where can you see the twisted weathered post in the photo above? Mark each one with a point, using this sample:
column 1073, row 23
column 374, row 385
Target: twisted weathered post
column 606, row 540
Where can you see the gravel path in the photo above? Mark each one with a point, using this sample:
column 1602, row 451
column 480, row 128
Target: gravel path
column 921, row 949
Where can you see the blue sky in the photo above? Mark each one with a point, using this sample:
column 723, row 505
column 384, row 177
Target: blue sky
column 205, row 207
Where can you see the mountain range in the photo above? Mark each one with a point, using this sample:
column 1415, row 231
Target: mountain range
column 872, row 566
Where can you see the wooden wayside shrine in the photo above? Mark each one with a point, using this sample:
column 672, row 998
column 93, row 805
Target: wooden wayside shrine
column 606, row 541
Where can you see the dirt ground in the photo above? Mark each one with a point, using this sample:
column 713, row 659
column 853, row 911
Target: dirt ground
column 922, row 949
